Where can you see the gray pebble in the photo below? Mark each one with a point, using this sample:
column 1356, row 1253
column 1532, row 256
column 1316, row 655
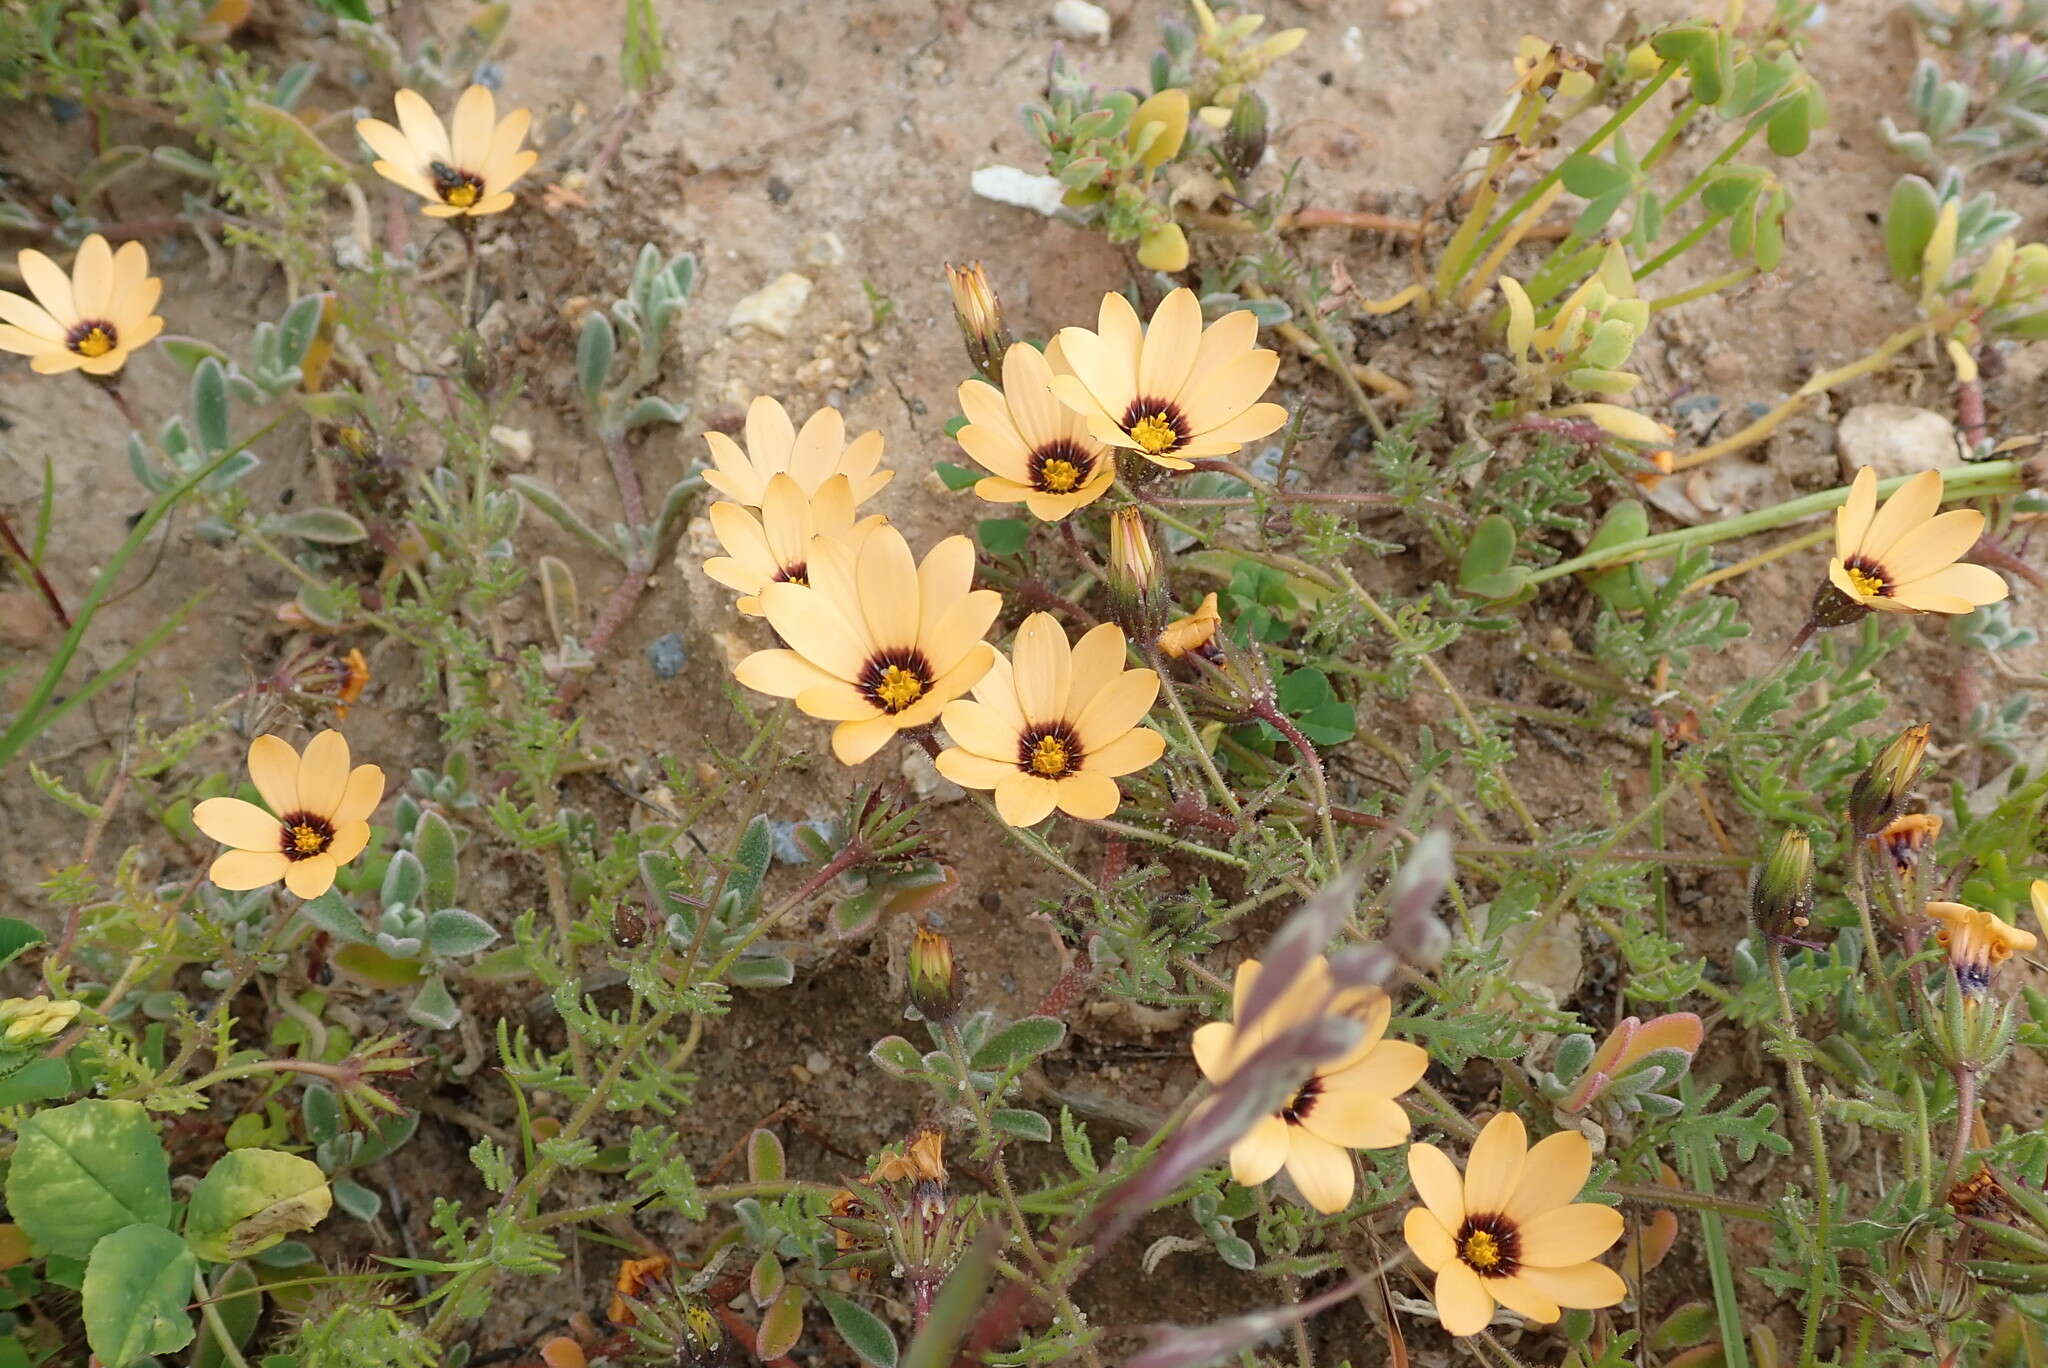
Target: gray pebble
column 667, row 656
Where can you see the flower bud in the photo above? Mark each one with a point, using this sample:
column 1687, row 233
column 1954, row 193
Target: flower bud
column 1781, row 891
column 980, row 316
column 28, row 1022
column 1879, row 793
column 1133, row 575
column 934, row 977
column 1244, row 137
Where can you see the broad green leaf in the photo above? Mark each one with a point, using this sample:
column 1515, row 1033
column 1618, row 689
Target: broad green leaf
column 16, row 936
column 1003, row 536
column 137, row 1284
column 1019, row 1042
column 37, row 1081
column 86, row 1170
column 434, row 1005
column 783, row 1324
column 323, row 526
column 251, row 1199
column 1487, row 568
column 210, row 406
column 594, row 351
column 750, row 863
column 958, row 477
column 1909, row 225
column 332, row 914
column 864, row 1332
column 433, row 840
column 452, row 931
column 1025, row 1125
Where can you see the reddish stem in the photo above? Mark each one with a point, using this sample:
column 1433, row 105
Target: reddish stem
column 49, row 590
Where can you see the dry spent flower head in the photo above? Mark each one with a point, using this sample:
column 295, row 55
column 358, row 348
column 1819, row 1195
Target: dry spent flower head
column 461, row 170
column 636, row 1277
column 1038, row 452
column 1904, row 839
column 1174, row 391
column 1507, row 1231
column 979, row 312
column 1347, row 1103
column 1054, row 726
column 1193, row 632
column 317, row 818
column 922, row 1160
column 1904, row 557
column 1977, row 943
column 1880, row 792
column 27, row 1022
column 92, row 319
column 810, row 457
column 877, row 642
column 773, row 545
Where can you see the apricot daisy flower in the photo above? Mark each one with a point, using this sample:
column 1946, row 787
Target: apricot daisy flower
column 877, row 643
column 466, row 172
column 1039, row 452
column 90, row 320
column 774, row 545
column 1905, row 556
column 317, row 818
column 1054, row 726
column 1174, row 391
column 1508, row 1231
column 810, row 457
column 1977, row 943
column 1346, row 1104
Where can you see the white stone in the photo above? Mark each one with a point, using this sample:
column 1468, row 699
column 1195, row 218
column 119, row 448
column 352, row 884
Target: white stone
column 1081, row 20
column 1008, row 185
column 772, row 308
column 823, row 248
column 518, row 443
column 926, row 783
column 1896, row 439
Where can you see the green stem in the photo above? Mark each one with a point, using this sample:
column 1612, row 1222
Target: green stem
column 1170, row 690
column 1036, row 844
column 1669, row 137
column 215, row 1326
column 1816, row 1139
column 1678, row 248
column 1139, row 833
column 1703, row 289
column 1535, row 191
column 1697, row 1201
column 1982, row 479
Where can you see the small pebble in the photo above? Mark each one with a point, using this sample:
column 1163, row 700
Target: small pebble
column 667, row 656
column 1079, row 19
column 818, row 1062
column 772, row 308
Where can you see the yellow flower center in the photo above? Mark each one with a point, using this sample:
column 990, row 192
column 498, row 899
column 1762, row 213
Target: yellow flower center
column 96, row 340
column 306, row 839
column 1049, row 757
column 1481, row 1250
column 898, row 688
column 1866, row 583
column 1059, row 476
column 1154, row 433
column 458, row 188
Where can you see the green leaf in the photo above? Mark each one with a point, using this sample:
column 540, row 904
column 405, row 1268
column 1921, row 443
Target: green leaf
column 324, row 526
column 358, row 10
column 136, row 1287
column 1590, row 177
column 1487, row 568
column 1019, row 1042
column 782, row 1325
column 210, row 406
column 1003, row 536
column 452, row 931
column 332, row 914
column 251, row 1199
column 1025, row 1125
column 957, row 477
column 297, row 329
column 750, row 863
column 435, row 1006
column 404, row 878
column 863, row 1331
column 594, row 351
column 86, row 1170
column 1791, row 127
column 37, row 1081
column 16, row 936
column 762, row 971
column 1909, row 224
column 240, row 1303
column 764, row 1157
column 897, row 1057
column 433, row 840
column 953, row 427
